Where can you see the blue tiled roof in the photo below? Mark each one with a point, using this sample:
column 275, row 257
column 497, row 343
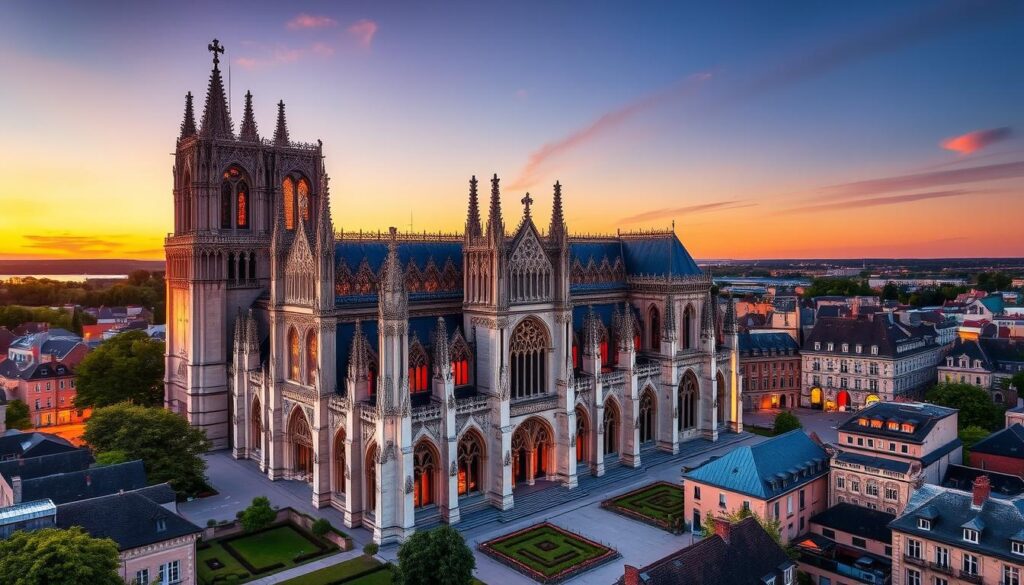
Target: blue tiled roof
column 780, row 342
column 658, row 255
column 767, row 469
column 374, row 252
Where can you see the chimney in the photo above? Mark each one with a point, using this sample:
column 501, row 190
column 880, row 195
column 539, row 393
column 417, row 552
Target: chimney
column 632, row 576
column 980, row 489
column 722, row 528
column 16, row 489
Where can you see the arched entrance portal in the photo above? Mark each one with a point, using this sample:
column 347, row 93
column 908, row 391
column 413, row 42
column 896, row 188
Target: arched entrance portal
column 425, row 460
column 647, row 416
column 611, row 427
column 531, row 451
column 300, row 439
column 471, row 463
column 816, row 397
column 843, row 400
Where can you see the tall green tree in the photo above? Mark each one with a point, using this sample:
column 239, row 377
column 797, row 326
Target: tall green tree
column 786, row 421
column 975, row 405
column 168, row 446
column 54, row 556
column 17, row 415
column 435, row 557
column 128, row 367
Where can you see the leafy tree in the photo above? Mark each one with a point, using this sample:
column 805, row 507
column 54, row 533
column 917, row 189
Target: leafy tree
column 975, row 405
column 111, row 458
column 993, row 281
column 1017, row 381
column 17, row 415
column 786, row 421
column 129, row 366
column 970, row 437
column 58, row 557
column 837, row 286
column 890, row 291
column 258, row 515
column 435, row 557
column 76, row 322
column 169, row 447
column 321, row 527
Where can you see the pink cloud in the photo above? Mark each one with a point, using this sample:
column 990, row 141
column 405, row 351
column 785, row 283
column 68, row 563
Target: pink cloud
column 363, row 31
column 322, row 49
column 927, row 180
column 686, row 210
column 974, row 141
column 282, row 55
column 310, row 21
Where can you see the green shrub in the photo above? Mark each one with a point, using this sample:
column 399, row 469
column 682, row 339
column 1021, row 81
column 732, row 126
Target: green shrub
column 371, row 549
column 785, row 422
column 321, row 527
column 211, row 522
column 258, row 515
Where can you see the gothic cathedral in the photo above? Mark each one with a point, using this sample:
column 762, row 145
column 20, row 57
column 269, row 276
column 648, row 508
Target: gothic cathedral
column 412, row 379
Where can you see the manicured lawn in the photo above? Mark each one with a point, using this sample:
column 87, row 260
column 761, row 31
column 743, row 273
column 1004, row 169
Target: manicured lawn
column 382, row 577
column 653, row 504
column 547, row 553
column 338, row 572
column 277, row 545
column 216, row 553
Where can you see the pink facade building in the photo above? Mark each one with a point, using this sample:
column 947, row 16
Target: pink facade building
column 784, row 478
column 886, row 450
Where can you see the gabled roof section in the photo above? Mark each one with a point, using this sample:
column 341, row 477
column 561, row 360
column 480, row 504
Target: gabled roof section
column 920, row 419
column 131, row 519
column 658, row 254
column 62, row 488
column 76, row 460
column 358, row 265
column 766, row 469
column 1008, row 442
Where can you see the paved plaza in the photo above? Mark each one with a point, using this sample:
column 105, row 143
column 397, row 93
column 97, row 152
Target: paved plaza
column 240, row 481
column 817, row 421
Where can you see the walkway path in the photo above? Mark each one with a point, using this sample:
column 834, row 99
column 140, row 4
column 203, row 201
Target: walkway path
column 321, row 563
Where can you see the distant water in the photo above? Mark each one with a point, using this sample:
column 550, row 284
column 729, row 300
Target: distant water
column 66, row 277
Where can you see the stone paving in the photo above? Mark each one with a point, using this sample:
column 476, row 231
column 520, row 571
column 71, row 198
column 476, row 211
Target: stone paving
column 240, row 481
column 820, row 422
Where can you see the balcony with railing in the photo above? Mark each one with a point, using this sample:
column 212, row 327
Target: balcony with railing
column 970, row 577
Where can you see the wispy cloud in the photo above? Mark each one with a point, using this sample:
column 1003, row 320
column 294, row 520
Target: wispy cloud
column 685, row 210
column 304, row 21
column 974, row 141
column 68, row 244
column 879, row 201
column 282, row 55
column 528, row 175
column 927, row 180
column 363, row 32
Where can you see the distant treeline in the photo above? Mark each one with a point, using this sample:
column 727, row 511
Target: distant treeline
column 142, row 288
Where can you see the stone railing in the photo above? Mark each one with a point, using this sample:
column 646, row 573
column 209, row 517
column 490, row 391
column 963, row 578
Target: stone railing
column 472, row 404
column 428, row 412
column 368, row 412
column 614, row 377
column 338, row 402
column 583, row 383
column 648, row 369
column 533, row 405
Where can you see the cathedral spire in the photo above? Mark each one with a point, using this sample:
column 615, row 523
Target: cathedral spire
column 557, row 228
column 729, row 321
column 216, row 116
column 442, row 352
column 592, row 333
column 359, row 354
column 392, row 298
column 281, row 132
column 495, row 224
column 627, row 328
column 324, row 224
column 188, row 124
column 248, row 131
column 473, row 227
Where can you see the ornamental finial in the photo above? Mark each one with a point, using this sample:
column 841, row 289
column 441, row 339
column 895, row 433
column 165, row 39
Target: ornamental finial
column 216, row 48
column 527, row 201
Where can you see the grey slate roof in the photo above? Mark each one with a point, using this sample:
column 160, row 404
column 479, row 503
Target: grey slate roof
column 34, row 371
column 871, row 461
column 950, row 511
column 33, row 467
column 779, row 343
column 857, row 520
column 15, row 443
column 922, row 415
column 767, row 469
column 87, row 483
column 879, row 330
column 1008, row 442
column 130, row 519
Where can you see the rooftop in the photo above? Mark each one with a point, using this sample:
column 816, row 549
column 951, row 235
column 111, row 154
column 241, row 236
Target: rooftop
column 857, row 520
column 906, row 421
column 131, row 519
column 1008, row 442
column 72, row 486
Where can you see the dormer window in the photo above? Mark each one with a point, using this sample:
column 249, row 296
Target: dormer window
column 846, row 348
column 971, row 535
column 907, row 427
column 876, row 424
column 862, row 421
column 817, row 346
column 949, row 362
column 769, row 580
column 893, row 426
column 161, row 525
column 924, row 524
column 874, row 350
column 831, row 346
column 787, row 576
column 859, row 348
column 1017, row 547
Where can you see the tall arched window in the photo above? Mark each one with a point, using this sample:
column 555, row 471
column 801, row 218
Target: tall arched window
column 611, row 428
column 655, row 329
column 721, row 398
column 471, row 456
column 304, row 200
column 256, row 424
column 419, row 369
column 528, row 352
column 647, row 416
column 186, row 203
column 294, row 363
column 370, row 471
column 461, row 358
column 339, row 462
column 688, row 402
column 301, row 438
column 688, row 321
column 234, row 200
column 582, row 436
column 288, row 192
column 311, row 355
column 424, row 474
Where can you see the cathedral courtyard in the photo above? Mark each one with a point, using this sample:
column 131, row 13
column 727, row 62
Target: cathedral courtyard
column 637, row 542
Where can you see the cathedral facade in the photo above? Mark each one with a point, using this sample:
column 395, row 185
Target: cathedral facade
column 409, row 378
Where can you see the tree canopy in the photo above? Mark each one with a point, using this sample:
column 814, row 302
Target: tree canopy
column 975, row 405
column 258, row 515
column 141, row 288
column 435, row 557
column 54, row 556
column 127, row 367
column 169, row 447
column 17, row 415
column 13, row 315
column 786, row 421
column 837, row 286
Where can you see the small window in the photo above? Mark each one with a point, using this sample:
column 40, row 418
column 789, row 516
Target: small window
column 696, row 492
column 924, row 524
column 817, row 346
column 828, row 533
column 971, row 535
column 1017, row 547
column 721, row 500
column 859, row 542
column 787, row 576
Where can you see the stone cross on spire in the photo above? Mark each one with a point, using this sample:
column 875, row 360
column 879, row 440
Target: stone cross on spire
column 216, row 48
column 527, row 201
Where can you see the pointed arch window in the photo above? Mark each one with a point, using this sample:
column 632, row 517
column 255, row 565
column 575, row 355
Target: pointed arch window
column 655, row 328
column 185, row 213
column 225, row 205
column 311, row 357
column 294, row 351
column 288, row 192
column 425, row 472
column 688, row 320
column 687, row 402
column 470, row 466
column 242, row 199
column 304, row 199
column 419, row 367
column 234, row 199
column 461, row 358
column 528, row 350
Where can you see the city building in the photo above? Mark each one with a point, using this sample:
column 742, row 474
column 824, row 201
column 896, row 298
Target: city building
column 61, row 488
column 1002, row 451
column 1003, row 485
column 770, row 366
column 886, row 450
column 14, row 472
column 986, row 362
column 15, row 444
column 950, row 536
column 402, row 374
column 847, row 542
column 785, row 478
column 47, row 388
column 47, row 346
column 849, row 363
column 740, row 553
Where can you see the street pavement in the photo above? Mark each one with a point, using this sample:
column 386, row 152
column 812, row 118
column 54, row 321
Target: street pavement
column 817, row 421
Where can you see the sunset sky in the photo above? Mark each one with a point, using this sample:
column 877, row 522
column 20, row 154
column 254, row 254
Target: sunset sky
column 763, row 129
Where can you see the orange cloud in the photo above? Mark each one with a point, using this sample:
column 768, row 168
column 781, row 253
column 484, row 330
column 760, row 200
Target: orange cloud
column 887, row 200
column 363, row 31
column 305, row 21
column 932, row 179
column 689, row 209
column 974, row 141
